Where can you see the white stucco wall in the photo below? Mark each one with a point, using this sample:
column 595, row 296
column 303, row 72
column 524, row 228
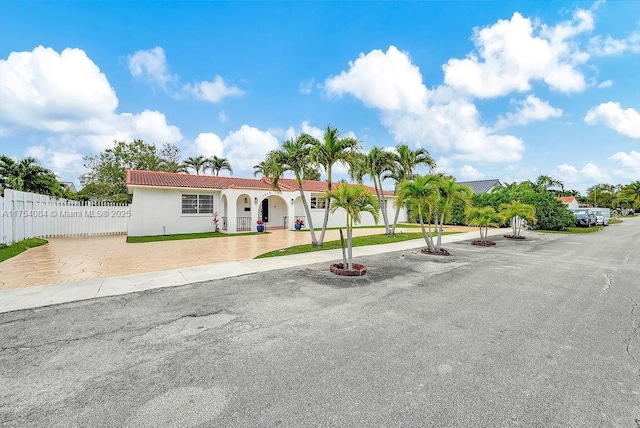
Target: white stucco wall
column 158, row 211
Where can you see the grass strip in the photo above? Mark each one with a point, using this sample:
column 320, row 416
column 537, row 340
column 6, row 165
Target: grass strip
column 358, row 241
column 574, row 230
column 16, row 248
column 182, row 236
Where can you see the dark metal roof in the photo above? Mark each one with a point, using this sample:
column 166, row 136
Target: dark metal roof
column 481, row 186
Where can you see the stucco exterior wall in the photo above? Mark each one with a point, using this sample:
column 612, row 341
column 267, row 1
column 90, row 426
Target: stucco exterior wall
column 157, row 211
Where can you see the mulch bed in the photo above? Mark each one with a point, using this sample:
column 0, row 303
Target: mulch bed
column 339, row 269
column 483, row 244
column 442, row 252
column 515, row 237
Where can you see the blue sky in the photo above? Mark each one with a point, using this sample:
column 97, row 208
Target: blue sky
column 506, row 90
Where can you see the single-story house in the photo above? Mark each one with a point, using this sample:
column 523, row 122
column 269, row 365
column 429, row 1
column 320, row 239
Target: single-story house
column 170, row 203
column 569, row 201
column 482, row 186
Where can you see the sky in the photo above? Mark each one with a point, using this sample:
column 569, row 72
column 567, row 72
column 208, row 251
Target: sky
column 492, row 89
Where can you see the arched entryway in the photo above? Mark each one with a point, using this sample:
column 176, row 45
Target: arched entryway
column 273, row 211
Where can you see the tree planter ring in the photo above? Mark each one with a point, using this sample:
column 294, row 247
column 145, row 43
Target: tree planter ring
column 358, row 269
column 515, row 237
column 483, row 244
column 442, row 252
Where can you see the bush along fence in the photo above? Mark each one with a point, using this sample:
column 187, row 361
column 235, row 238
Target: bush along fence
column 30, row 215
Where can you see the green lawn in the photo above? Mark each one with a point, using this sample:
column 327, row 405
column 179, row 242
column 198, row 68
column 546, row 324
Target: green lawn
column 178, row 237
column 574, row 230
column 614, row 220
column 358, row 241
column 19, row 247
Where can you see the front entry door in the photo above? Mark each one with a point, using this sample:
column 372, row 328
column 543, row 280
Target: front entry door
column 265, row 210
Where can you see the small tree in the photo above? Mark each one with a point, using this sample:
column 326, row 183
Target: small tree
column 354, row 199
column 216, row 222
column 516, row 212
column 484, row 218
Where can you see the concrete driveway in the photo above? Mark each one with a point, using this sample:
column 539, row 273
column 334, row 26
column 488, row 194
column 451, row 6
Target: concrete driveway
column 539, row 333
column 66, row 260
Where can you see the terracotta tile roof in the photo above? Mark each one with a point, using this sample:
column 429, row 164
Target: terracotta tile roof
column 567, row 199
column 317, row 186
column 168, row 179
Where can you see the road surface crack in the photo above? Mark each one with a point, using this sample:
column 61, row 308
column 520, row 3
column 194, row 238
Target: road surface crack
column 635, row 329
column 609, row 284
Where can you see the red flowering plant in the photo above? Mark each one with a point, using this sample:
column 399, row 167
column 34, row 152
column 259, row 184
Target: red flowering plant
column 259, row 222
column 300, row 221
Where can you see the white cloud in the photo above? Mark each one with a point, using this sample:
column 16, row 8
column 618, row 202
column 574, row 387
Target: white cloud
column 511, row 54
column 306, row 87
column 565, row 173
column 384, row 80
column 151, row 65
column 610, row 114
column 629, row 164
column 605, row 84
column 594, row 173
column 65, row 94
column 440, row 118
column 527, row 111
column 468, row 172
column 60, row 162
column 208, row 144
column 305, row 128
column 608, row 46
column 244, row 147
column 222, row 117
column 213, row 92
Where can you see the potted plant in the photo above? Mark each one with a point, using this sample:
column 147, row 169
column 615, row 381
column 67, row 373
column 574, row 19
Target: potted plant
column 260, row 226
column 299, row 223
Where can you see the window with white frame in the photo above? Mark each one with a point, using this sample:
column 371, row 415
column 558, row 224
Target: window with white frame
column 318, row 202
column 197, row 204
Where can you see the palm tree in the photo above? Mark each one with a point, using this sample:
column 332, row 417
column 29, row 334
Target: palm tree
column 377, row 163
column 292, row 157
column 421, row 195
column 218, row 164
column 198, row 163
column 516, row 212
column 259, row 169
column 332, row 149
column 544, row 183
column 354, row 199
column 450, row 192
column 405, row 162
column 484, row 218
column 27, row 175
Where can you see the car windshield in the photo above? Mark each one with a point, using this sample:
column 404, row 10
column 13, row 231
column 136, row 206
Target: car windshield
column 581, row 212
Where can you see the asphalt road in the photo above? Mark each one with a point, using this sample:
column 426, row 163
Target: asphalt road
column 539, row 333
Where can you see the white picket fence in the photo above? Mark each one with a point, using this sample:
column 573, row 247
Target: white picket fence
column 30, row 215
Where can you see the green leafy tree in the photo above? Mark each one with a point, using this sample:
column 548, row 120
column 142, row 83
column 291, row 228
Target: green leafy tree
column 632, row 191
column 355, row 200
column 172, row 159
column 405, row 161
column 484, row 218
column 218, row 164
column 292, row 157
column 516, row 212
column 27, row 175
column 105, row 176
column 332, row 149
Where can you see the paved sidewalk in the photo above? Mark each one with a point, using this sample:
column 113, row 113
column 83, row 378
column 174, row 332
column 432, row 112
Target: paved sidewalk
column 66, row 260
column 33, row 297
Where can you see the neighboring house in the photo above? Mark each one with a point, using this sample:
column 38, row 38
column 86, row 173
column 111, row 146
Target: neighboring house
column 569, row 201
column 69, row 186
column 482, row 186
column 168, row 203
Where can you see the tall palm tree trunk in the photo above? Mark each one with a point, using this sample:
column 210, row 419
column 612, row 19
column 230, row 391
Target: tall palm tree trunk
column 439, row 227
column 377, row 184
column 427, row 238
column 395, row 222
column 307, row 211
column 325, row 221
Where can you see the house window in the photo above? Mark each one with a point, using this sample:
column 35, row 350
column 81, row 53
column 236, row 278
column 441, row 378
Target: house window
column 318, row 203
column 197, row 204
